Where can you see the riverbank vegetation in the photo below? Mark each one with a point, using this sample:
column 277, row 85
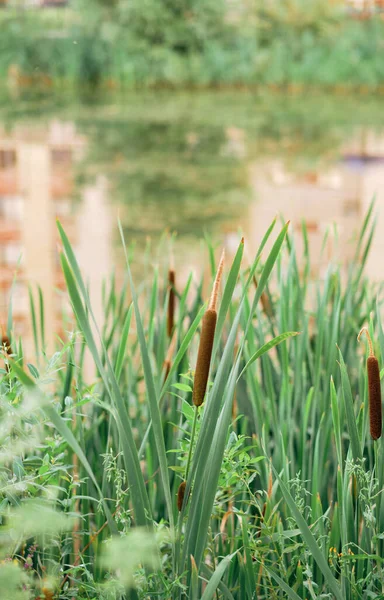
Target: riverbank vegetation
column 119, row 486
column 136, row 44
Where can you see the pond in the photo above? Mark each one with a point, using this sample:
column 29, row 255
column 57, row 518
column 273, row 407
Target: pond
column 176, row 168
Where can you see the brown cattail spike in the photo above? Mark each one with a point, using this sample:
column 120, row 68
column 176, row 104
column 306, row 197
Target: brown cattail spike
column 204, row 357
column 374, row 389
column 171, row 301
column 180, row 495
column 206, row 341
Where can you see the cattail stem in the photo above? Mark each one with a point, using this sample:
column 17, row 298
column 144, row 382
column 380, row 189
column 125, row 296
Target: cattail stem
column 365, row 330
column 374, row 389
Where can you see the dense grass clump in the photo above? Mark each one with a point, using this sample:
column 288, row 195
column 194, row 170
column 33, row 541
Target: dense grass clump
column 119, row 487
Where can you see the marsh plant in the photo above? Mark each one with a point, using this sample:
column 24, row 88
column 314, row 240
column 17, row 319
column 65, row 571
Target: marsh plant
column 226, row 449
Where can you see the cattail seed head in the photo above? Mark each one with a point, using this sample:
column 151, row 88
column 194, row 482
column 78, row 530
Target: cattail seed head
column 204, row 357
column 180, row 495
column 206, row 341
column 374, row 389
column 171, row 301
column 374, row 392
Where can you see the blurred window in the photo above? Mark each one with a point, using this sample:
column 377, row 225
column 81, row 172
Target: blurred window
column 351, row 208
column 63, row 207
column 11, row 208
column 20, row 299
column 61, row 157
column 7, row 158
column 10, row 253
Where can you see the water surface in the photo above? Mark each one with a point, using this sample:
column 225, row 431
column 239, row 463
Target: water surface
column 191, row 165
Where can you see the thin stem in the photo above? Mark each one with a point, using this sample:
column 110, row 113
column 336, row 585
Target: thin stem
column 365, row 330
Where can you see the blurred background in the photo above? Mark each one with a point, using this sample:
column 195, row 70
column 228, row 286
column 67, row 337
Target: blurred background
column 187, row 119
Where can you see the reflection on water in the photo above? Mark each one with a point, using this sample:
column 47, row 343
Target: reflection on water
column 200, row 164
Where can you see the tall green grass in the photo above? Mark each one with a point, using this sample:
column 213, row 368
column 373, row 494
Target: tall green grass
column 283, row 492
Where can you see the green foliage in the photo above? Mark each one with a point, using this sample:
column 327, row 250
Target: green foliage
column 284, row 492
column 135, row 43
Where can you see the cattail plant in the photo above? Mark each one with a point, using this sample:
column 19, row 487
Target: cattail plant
column 374, row 389
column 171, row 300
column 204, row 354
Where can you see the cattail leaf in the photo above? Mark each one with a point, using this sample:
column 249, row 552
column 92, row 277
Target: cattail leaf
column 42, row 318
column 72, row 259
column 349, row 411
column 364, row 228
column 227, row 295
column 194, row 591
column 269, row 264
column 123, row 344
column 182, row 386
column 271, row 344
column 336, row 423
column 216, row 577
column 207, row 476
column 33, row 318
column 309, row 539
column 151, row 392
column 316, row 467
